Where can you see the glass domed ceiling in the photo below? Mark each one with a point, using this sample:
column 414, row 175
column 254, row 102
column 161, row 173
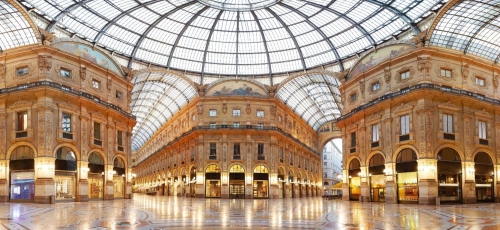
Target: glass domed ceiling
column 235, row 37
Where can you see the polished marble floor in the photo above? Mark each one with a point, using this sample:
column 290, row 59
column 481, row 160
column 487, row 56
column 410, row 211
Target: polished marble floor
column 160, row 212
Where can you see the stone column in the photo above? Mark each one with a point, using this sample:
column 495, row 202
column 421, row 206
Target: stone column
column 128, row 186
column 469, row 187
column 45, row 187
column 365, row 190
column 224, row 190
column 427, row 184
column 497, row 184
column 82, row 188
column 108, row 180
column 391, row 188
column 4, row 180
column 345, row 185
column 273, row 192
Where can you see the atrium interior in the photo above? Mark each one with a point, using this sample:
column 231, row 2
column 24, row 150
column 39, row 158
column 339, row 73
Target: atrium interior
column 169, row 100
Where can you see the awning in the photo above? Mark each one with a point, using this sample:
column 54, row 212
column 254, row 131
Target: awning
column 338, row 185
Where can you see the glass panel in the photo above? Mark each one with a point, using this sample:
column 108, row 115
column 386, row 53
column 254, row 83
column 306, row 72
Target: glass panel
column 22, row 185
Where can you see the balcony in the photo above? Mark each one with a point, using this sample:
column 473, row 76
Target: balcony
column 120, row 148
column 21, row 134
column 449, row 136
column 212, row 157
column 375, row 144
column 236, row 157
column 483, row 142
column 97, row 142
column 67, row 136
column 261, row 158
column 405, row 137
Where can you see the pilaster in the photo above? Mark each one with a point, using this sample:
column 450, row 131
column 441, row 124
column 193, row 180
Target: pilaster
column 427, row 184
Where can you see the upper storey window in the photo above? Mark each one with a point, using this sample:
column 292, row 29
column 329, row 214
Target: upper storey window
column 212, row 112
column 65, row 73
column 236, row 112
column 96, row 84
column 376, row 86
column 22, row 71
column 354, row 97
column 260, row 113
column 480, row 81
column 446, row 73
column 405, row 75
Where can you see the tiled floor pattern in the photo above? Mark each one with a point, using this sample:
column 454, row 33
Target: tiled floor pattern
column 163, row 212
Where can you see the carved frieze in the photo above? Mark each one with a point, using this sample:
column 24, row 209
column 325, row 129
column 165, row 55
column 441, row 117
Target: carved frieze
column 428, row 138
column 387, row 74
column 465, row 70
column 424, row 65
column 45, row 64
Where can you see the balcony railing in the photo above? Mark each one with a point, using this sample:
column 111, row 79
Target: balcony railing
column 65, row 89
column 483, row 141
column 120, row 148
column 261, row 158
column 417, row 87
column 97, row 142
column 375, row 144
column 405, row 137
column 243, row 127
column 212, row 157
column 21, row 134
column 449, row 136
column 67, row 136
column 236, row 157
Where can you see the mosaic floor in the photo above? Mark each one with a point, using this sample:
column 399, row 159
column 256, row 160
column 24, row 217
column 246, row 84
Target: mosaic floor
column 159, row 212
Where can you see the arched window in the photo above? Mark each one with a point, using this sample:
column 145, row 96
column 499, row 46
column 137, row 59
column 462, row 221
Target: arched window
column 406, row 155
column 237, row 169
column 213, row 169
column 65, row 153
column 483, row 158
column 377, row 160
column 22, row 153
column 95, row 158
column 448, row 154
column 118, row 162
column 354, row 164
column 260, row 169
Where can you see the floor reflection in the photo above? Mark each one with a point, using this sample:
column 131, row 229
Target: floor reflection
column 160, row 212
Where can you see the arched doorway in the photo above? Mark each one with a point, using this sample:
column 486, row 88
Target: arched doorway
column 65, row 174
column 281, row 183
column 212, row 181
column 485, row 177
column 192, row 176
column 260, row 182
column 22, row 174
column 96, row 176
column 237, row 182
column 118, row 177
column 449, row 168
column 376, row 174
column 407, row 176
column 354, row 180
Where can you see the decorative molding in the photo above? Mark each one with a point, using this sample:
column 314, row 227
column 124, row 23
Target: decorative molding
column 483, row 113
column 31, row 70
column 403, row 108
column 372, row 83
column 446, row 66
column 387, row 75
column 402, row 70
column 424, row 66
column 21, row 103
column 448, row 106
column 465, row 70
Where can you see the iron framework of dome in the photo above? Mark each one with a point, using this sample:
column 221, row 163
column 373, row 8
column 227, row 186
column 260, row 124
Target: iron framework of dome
column 235, row 37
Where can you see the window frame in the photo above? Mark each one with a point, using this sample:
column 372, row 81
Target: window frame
column 212, row 113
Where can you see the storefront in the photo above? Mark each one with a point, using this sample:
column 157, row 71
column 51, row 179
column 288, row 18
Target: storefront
column 22, row 175
column 212, row 181
column 407, row 176
column 484, row 175
column 260, row 182
column 291, row 186
column 236, row 182
column 118, row 178
column 449, row 167
column 377, row 178
column 354, row 180
column 65, row 175
column 96, row 176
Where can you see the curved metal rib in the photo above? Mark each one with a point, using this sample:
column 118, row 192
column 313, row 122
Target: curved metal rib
column 285, row 26
column 63, row 13
column 403, row 16
column 265, row 43
column 206, row 46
